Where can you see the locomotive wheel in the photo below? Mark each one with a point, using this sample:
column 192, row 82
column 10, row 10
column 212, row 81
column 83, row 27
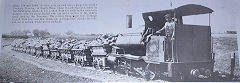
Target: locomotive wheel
column 182, row 77
column 179, row 78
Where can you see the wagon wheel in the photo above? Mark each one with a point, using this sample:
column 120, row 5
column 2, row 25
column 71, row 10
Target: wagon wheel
column 78, row 62
column 95, row 64
column 44, row 55
column 52, row 56
column 75, row 61
column 82, row 63
column 58, row 56
column 62, row 59
column 100, row 66
column 149, row 75
column 47, row 56
column 55, row 57
column 90, row 63
column 127, row 72
column 66, row 61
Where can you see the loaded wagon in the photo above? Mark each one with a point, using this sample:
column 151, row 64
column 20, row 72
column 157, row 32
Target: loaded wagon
column 83, row 57
column 55, row 53
column 46, row 50
column 66, row 55
column 99, row 55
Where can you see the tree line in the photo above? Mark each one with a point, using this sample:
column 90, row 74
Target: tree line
column 27, row 34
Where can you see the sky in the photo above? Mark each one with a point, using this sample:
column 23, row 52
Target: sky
column 112, row 15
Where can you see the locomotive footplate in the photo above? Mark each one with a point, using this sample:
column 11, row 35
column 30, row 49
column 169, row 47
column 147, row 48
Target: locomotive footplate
column 132, row 65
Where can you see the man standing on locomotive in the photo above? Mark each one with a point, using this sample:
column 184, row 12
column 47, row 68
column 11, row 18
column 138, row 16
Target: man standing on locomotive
column 148, row 31
column 169, row 28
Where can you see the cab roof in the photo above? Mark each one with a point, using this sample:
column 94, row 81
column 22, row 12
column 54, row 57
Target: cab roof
column 185, row 10
column 158, row 19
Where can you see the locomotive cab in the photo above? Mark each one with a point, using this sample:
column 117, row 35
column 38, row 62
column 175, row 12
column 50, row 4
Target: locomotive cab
column 191, row 49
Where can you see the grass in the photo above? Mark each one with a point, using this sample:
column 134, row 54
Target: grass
column 223, row 46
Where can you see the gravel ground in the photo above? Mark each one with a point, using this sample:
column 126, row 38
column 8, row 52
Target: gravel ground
column 15, row 70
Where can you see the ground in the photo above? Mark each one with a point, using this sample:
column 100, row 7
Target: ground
column 20, row 67
column 15, row 70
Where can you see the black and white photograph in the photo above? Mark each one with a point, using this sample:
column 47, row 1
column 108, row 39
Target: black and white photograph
column 62, row 41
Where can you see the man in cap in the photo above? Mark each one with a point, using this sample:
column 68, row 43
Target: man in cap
column 169, row 28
